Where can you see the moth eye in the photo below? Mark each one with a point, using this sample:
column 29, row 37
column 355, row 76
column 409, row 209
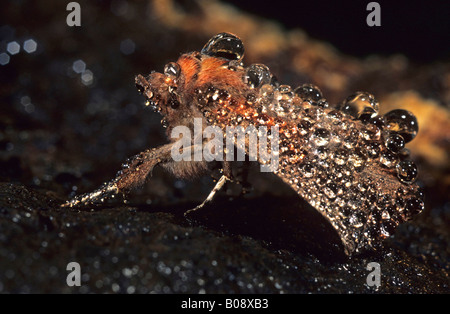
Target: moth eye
column 172, row 70
column 173, row 102
column 224, row 45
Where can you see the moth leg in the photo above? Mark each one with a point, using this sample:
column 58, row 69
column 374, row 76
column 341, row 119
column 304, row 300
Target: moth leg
column 133, row 175
column 211, row 195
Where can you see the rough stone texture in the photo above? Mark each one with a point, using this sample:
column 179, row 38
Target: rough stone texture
column 62, row 134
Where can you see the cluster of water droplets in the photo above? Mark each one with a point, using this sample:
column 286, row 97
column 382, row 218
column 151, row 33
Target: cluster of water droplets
column 280, row 99
column 396, row 127
column 335, row 145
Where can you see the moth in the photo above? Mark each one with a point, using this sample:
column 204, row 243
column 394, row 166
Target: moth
column 346, row 160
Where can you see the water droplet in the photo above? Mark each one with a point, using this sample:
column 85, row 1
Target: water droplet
column 233, row 65
column 373, row 149
column 360, row 105
column 173, row 103
column 304, row 124
column 257, row 75
column 357, row 219
column 266, row 93
column 340, row 156
column 402, row 122
column 387, row 228
column 407, row 171
column 284, row 93
column 322, row 153
column 308, row 92
column 357, row 158
column 330, row 190
column 172, row 70
column 414, row 205
column 394, row 142
column 224, row 45
column 378, row 121
column 321, row 137
column 308, row 170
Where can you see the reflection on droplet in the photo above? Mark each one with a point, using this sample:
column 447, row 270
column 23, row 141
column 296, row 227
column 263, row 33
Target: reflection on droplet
column 13, row 48
column 340, row 156
column 224, row 45
column 402, row 122
column 30, row 46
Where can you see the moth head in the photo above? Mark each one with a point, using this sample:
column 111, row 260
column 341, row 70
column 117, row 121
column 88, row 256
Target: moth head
column 172, row 91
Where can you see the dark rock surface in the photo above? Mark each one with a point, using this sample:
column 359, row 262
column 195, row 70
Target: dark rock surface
column 63, row 133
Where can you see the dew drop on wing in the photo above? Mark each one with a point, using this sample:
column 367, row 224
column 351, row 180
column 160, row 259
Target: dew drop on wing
column 360, row 105
column 321, row 137
column 172, row 70
column 402, row 122
column 224, row 45
column 394, row 142
column 257, row 75
column 407, row 171
column 308, row 92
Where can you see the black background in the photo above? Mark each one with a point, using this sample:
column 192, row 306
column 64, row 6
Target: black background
column 418, row 29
